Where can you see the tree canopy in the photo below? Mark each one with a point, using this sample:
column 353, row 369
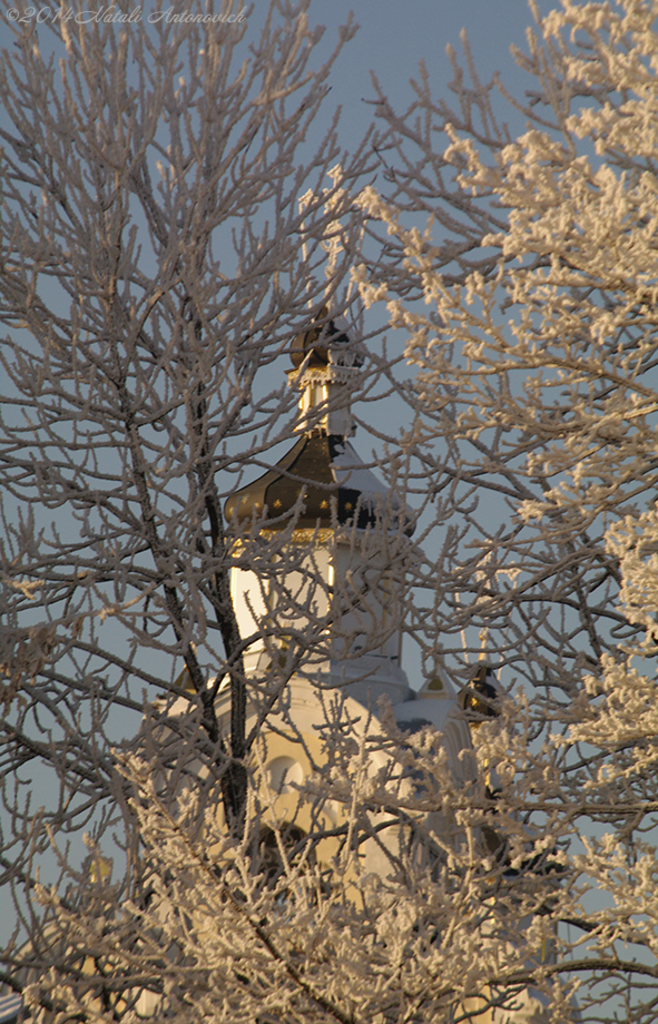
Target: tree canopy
column 167, row 230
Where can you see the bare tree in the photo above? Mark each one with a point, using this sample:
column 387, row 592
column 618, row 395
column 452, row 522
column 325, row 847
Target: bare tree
column 163, row 242
column 537, row 351
column 522, row 268
column 167, row 229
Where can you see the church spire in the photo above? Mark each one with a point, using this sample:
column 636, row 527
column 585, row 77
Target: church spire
column 322, row 468
column 326, row 364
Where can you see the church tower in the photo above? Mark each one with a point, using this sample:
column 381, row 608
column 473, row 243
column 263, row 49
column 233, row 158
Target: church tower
column 344, row 534
column 345, row 539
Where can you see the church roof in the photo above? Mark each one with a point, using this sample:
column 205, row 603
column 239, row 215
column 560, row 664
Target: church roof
column 338, row 489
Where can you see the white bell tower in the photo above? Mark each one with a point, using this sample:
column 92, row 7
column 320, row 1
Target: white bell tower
column 346, row 532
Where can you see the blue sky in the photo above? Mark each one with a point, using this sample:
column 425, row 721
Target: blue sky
column 394, row 36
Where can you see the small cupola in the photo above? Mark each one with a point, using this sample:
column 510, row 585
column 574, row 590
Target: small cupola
column 322, row 471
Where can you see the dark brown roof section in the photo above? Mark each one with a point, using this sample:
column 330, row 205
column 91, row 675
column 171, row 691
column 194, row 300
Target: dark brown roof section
column 329, row 473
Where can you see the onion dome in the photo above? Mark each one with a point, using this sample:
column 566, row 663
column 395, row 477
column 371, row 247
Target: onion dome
column 335, row 488
column 321, row 483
